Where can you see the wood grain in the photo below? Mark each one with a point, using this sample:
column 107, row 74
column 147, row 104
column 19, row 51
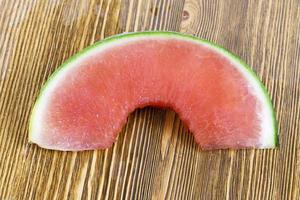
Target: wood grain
column 155, row 157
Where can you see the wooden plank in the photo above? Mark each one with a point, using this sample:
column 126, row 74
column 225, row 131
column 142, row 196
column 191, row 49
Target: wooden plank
column 154, row 157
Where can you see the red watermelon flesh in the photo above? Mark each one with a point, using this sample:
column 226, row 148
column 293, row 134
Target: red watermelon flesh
column 87, row 103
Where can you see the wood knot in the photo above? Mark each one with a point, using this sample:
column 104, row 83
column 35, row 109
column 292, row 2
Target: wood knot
column 185, row 15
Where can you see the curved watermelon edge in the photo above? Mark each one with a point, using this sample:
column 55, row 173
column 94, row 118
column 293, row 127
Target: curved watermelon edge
column 127, row 35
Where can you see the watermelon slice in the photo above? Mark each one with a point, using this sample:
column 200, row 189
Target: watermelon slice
column 86, row 102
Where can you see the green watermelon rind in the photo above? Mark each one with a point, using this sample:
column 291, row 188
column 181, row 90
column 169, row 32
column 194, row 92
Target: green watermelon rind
column 166, row 34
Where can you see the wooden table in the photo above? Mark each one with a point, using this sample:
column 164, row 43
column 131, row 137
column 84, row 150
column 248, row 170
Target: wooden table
column 154, row 156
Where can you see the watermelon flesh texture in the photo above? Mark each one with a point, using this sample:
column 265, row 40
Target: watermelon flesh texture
column 90, row 101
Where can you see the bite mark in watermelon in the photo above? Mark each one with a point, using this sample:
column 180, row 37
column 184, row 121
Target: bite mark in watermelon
column 86, row 102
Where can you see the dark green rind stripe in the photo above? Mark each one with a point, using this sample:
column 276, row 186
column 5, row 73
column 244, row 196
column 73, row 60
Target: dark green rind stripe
column 164, row 34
